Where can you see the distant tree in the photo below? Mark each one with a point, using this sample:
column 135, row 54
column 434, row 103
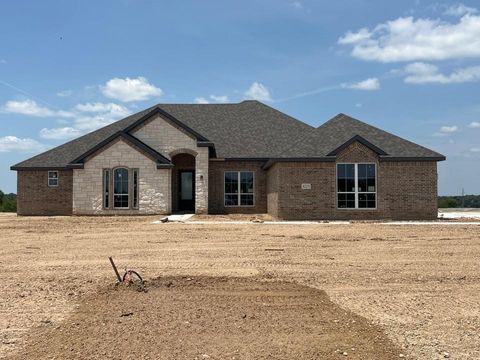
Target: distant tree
column 447, row 202
column 8, row 202
column 467, row 201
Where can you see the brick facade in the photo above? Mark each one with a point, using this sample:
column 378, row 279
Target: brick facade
column 216, row 187
column 35, row 197
column 405, row 189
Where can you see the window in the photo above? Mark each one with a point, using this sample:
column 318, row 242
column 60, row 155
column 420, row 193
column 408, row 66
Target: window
column 239, row 188
column 106, row 188
column 356, row 186
column 135, row 189
column 53, row 178
column 120, row 188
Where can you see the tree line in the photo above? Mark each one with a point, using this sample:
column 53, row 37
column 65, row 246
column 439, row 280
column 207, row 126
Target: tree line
column 8, row 202
column 466, row 201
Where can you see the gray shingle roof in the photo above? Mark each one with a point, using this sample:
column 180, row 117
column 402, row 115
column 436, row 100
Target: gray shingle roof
column 248, row 129
column 342, row 128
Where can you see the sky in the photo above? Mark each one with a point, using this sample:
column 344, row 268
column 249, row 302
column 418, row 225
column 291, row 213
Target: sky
column 409, row 67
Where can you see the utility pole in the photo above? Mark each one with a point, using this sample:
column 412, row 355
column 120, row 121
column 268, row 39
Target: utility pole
column 463, row 198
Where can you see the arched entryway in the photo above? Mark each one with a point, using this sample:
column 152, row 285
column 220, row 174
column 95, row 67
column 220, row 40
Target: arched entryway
column 183, row 183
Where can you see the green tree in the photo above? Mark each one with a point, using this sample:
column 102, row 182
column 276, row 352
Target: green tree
column 447, row 202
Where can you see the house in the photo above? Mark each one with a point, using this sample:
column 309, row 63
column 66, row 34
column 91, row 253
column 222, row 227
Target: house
column 232, row 158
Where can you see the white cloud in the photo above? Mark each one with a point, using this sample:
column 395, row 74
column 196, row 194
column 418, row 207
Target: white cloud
column 127, row 89
column 446, row 130
column 65, row 93
column 449, row 129
column 368, row 84
column 91, row 116
column 409, row 39
column 353, row 38
column 212, row 98
column 422, row 73
column 201, row 100
column 60, row 133
column 460, row 10
column 358, row 105
column 258, row 91
column 475, row 150
column 3, row 61
column 13, row 143
column 112, row 108
column 220, row 98
column 31, row 108
column 474, row 124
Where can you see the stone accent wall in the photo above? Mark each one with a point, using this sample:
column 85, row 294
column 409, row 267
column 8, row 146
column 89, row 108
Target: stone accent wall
column 405, row 190
column 154, row 184
column 168, row 140
column 201, row 181
column 216, row 187
column 164, row 137
column 35, row 197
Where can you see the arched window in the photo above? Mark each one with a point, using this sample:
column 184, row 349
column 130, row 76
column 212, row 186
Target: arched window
column 120, row 188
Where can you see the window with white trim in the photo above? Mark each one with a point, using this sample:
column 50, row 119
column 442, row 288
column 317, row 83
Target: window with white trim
column 239, row 188
column 356, row 186
column 53, row 178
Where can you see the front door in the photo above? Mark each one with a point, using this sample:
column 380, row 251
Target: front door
column 186, row 190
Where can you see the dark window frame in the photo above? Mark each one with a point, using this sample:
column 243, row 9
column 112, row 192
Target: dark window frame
column 239, row 192
column 135, row 189
column 106, row 189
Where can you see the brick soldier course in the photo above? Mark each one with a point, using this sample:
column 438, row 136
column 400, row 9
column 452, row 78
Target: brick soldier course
column 278, row 165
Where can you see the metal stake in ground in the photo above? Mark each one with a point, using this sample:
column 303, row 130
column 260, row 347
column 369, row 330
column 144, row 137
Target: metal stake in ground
column 115, row 269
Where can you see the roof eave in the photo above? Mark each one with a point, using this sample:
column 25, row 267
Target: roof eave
column 272, row 161
column 413, row 158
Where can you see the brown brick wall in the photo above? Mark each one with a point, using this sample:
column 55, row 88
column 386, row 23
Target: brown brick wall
column 405, row 190
column 216, row 188
column 35, row 197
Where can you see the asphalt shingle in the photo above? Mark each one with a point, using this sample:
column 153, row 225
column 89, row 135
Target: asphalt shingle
column 248, row 129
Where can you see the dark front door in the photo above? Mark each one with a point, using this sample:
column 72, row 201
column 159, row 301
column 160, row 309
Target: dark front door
column 186, row 190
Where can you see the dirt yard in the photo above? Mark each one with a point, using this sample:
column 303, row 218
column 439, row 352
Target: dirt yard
column 238, row 291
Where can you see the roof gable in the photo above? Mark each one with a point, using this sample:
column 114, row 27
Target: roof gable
column 361, row 140
column 161, row 160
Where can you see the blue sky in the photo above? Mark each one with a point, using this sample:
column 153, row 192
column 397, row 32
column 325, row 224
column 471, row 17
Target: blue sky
column 409, row 67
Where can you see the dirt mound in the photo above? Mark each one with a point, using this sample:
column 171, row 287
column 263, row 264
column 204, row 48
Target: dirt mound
column 209, row 318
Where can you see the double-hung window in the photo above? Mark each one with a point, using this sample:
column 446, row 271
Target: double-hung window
column 53, row 178
column 239, row 188
column 356, row 186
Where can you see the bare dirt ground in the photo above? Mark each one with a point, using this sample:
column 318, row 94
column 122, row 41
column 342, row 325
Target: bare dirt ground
column 419, row 284
column 210, row 318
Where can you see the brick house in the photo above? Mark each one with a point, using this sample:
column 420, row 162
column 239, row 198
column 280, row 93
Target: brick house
column 232, row 158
